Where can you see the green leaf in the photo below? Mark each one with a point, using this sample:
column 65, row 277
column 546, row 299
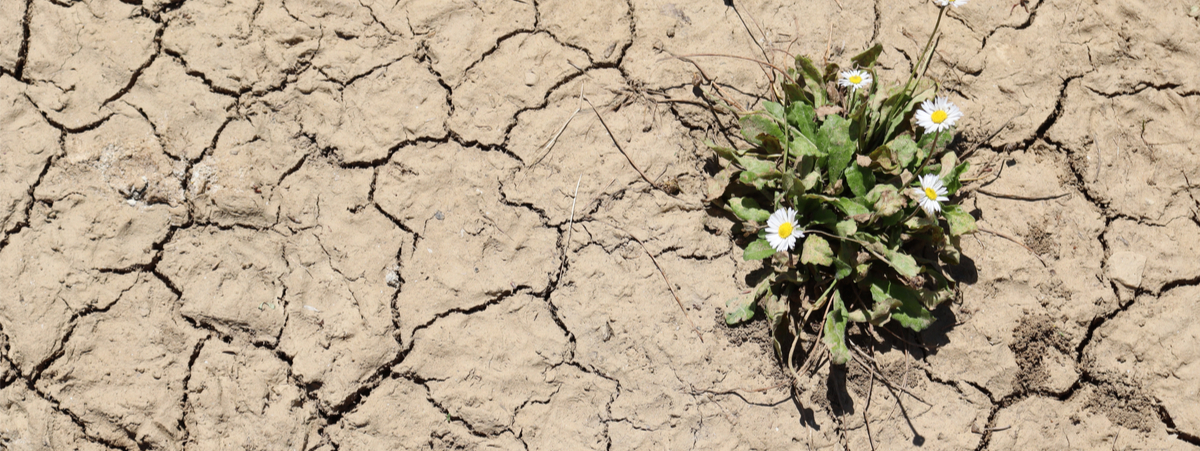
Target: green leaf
column 960, row 221
column 800, row 115
column 844, row 262
column 878, row 312
column 814, row 83
column 816, row 251
column 903, row 263
column 949, row 251
column 741, row 308
column 793, row 93
column 867, row 59
column 908, row 104
column 835, row 331
column 886, row 159
column 846, row 228
column 756, row 168
column 810, row 181
column 906, row 150
column 850, row 207
column 910, row 313
column 748, row 209
column 951, row 179
column 871, row 244
column 886, row 199
column 758, row 250
column 801, row 146
column 921, row 223
column 775, row 110
column 822, row 216
column 724, row 152
column 715, row 186
column 834, row 138
column 949, row 160
column 944, row 138
column 755, row 126
column 860, row 179
column 831, row 72
column 776, row 308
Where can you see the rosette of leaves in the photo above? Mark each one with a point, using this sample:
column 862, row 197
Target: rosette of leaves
column 846, row 162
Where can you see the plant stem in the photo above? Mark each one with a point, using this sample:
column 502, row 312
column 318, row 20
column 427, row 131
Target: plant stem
column 928, row 43
column 913, row 79
column 914, row 213
column 932, row 148
column 850, row 101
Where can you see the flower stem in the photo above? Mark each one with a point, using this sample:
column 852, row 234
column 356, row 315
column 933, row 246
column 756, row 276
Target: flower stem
column 917, row 68
column 913, row 79
column 850, row 101
column 932, row 148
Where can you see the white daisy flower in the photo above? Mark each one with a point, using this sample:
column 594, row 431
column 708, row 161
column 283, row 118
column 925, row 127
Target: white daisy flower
column 931, row 193
column 937, row 115
column 954, row 3
column 782, row 231
column 854, row 79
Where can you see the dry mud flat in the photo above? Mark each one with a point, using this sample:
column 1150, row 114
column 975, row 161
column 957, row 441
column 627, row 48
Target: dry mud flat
column 320, row 225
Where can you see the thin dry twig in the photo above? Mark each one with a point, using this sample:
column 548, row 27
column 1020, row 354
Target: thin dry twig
column 991, row 136
column 876, row 373
column 745, row 390
column 713, row 82
column 828, row 44
column 820, row 332
column 764, row 63
column 867, row 421
column 571, row 226
column 1019, row 243
column 550, row 144
column 615, row 143
column 660, row 272
column 752, row 38
column 1025, row 198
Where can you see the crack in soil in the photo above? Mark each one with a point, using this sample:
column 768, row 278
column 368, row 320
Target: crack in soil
column 23, row 51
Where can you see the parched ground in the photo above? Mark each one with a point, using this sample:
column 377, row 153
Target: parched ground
column 370, row 224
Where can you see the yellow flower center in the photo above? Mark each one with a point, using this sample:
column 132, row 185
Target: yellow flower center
column 855, row 79
column 785, row 230
column 931, row 194
column 938, row 116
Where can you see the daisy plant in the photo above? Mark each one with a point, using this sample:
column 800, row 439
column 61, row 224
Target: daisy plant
column 845, row 192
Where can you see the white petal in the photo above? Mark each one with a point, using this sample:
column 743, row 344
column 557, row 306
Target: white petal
column 775, row 241
column 777, row 218
column 789, row 243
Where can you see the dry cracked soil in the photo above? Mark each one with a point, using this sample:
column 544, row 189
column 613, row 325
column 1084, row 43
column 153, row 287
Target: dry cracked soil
column 381, row 224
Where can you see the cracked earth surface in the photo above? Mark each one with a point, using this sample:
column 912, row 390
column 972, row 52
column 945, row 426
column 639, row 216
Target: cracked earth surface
column 325, row 224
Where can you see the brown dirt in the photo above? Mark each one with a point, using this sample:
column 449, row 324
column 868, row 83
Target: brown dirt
column 325, row 224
